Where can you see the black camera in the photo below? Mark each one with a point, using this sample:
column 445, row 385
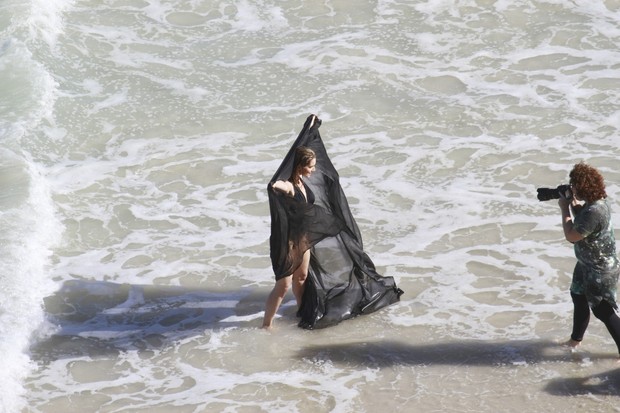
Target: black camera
column 545, row 194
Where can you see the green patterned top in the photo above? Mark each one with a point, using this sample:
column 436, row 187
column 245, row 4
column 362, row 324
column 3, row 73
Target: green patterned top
column 597, row 269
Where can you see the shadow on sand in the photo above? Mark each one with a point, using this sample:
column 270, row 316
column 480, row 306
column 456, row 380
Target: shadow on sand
column 603, row 384
column 94, row 318
column 98, row 319
column 475, row 353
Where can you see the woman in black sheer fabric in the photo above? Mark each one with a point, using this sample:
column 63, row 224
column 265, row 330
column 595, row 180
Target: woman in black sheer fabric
column 294, row 187
column 315, row 238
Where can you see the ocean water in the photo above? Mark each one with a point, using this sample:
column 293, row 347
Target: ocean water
column 136, row 141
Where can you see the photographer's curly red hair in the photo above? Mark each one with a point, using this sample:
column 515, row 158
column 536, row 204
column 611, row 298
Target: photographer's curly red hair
column 588, row 182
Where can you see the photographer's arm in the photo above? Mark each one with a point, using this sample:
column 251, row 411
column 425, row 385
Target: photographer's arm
column 575, row 207
column 570, row 233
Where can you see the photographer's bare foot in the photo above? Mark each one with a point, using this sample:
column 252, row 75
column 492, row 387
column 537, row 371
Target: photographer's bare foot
column 573, row 344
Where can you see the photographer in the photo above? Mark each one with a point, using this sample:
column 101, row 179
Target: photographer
column 596, row 273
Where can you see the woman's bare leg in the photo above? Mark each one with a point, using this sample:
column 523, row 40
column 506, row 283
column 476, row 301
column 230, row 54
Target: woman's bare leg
column 299, row 278
column 274, row 300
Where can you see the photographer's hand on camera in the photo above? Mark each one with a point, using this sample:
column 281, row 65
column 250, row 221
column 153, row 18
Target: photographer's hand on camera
column 566, row 200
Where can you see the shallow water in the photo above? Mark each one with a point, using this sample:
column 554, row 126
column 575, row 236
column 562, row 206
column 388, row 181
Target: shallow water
column 137, row 141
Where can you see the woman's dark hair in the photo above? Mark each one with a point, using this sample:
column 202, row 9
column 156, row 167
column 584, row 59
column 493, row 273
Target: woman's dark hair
column 303, row 157
column 588, row 182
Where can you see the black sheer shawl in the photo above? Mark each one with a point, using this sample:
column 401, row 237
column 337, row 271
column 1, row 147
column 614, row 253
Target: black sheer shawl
column 342, row 281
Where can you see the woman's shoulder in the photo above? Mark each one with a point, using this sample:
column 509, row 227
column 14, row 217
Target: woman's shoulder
column 284, row 186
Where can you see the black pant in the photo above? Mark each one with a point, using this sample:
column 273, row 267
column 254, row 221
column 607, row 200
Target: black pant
column 604, row 312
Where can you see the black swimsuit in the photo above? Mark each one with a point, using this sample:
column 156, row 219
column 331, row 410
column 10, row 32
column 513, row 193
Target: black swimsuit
column 300, row 195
